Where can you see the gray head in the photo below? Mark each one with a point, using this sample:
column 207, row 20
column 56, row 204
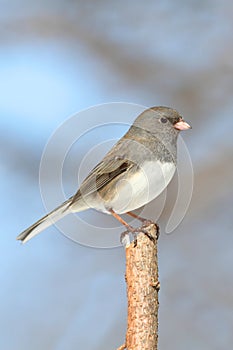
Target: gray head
column 161, row 120
column 158, row 128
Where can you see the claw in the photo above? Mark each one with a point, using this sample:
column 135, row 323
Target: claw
column 125, row 238
column 151, row 238
column 149, row 222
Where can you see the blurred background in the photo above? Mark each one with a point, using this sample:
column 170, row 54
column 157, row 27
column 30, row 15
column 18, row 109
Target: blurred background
column 59, row 57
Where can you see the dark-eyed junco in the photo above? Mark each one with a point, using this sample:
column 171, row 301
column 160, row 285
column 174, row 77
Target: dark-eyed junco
column 135, row 171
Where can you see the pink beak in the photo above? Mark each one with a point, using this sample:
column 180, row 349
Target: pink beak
column 182, row 125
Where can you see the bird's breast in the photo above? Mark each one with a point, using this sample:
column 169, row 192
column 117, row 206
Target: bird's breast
column 138, row 186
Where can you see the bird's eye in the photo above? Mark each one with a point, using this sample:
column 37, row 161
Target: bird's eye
column 163, row 120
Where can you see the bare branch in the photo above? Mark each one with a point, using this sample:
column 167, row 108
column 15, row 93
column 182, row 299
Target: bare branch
column 142, row 290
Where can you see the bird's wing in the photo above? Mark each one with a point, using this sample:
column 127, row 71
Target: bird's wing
column 102, row 174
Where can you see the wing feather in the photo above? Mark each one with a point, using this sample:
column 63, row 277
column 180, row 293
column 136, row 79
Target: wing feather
column 102, row 174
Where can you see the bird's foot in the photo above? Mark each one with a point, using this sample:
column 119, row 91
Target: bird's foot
column 146, row 224
column 127, row 238
column 130, row 236
column 147, row 234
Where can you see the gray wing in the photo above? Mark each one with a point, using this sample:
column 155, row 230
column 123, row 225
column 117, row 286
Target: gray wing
column 102, row 174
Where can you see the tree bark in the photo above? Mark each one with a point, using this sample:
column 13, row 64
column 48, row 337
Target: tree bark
column 142, row 290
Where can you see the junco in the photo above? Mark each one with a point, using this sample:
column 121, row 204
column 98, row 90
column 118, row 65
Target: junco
column 135, row 171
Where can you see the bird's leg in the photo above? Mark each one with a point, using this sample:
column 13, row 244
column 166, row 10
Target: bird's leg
column 145, row 222
column 125, row 239
column 123, row 222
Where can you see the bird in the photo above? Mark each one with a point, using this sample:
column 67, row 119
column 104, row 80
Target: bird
column 134, row 172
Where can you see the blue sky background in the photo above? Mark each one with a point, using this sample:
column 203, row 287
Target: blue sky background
column 59, row 58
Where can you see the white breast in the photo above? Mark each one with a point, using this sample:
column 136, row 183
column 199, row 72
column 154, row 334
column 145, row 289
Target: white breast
column 139, row 188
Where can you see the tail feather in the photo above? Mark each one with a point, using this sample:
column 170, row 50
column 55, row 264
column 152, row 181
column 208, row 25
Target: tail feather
column 45, row 222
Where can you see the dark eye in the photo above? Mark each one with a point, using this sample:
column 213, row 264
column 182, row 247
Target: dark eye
column 163, row 120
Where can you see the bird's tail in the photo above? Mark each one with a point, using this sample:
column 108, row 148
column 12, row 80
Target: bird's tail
column 46, row 221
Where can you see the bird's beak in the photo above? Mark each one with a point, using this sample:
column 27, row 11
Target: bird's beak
column 182, row 125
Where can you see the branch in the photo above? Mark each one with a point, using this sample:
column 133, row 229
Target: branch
column 142, row 290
